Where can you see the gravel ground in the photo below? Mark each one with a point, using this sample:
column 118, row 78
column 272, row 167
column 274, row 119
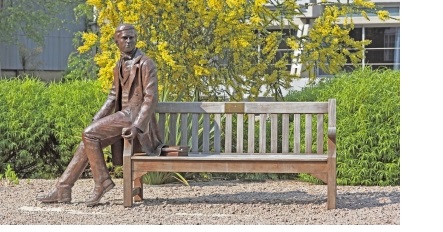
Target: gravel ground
column 285, row 202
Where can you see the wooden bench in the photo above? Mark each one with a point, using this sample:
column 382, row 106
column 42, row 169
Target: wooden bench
column 228, row 137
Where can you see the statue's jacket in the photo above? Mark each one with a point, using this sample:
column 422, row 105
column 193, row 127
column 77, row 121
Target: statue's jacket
column 137, row 96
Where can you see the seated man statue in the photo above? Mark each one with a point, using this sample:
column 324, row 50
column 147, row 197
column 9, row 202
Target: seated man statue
column 129, row 112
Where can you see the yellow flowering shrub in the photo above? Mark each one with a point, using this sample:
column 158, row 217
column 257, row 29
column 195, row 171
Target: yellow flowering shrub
column 212, row 48
column 329, row 45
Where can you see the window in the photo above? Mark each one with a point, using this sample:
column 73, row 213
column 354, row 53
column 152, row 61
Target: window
column 389, row 43
column 384, row 50
column 283, row 48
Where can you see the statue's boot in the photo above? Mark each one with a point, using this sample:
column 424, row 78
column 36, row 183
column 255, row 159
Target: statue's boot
column 62, row 190
column 102, row 180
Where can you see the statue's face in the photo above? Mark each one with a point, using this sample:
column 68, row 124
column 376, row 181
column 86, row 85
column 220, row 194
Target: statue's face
column 126, row 41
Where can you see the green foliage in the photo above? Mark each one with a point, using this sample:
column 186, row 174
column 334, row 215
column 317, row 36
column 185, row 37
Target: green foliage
column 10, row 176
column 70, row 109
column 157, row 178
column 80, row 66
column 42, row 124
column 368, row 124
column 24, row 130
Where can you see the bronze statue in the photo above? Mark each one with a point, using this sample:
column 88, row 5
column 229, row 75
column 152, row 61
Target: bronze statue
column 129, row 111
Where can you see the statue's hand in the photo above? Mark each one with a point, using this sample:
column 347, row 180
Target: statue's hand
column 129, row 132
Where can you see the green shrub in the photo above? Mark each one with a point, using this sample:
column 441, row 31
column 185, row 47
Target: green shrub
column 70, row 109
column 80, row 66
column 157, row 178
column 9, row 176
column 368, row 124
column 24, row 130
column 42, row 123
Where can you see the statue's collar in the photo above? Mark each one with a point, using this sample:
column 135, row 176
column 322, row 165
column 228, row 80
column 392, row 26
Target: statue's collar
column 126, row 57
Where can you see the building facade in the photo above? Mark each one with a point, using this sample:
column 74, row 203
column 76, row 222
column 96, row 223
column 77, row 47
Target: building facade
column 383, row 52
column 47, row 61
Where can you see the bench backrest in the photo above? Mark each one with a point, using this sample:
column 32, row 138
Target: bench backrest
column 242, row 127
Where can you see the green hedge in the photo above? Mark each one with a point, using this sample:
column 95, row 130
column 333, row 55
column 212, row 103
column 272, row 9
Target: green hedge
column 368, row 124
column 42, row 123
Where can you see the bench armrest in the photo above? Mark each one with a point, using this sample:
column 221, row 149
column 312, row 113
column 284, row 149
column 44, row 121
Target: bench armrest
column 128, row 149
column 332, row 134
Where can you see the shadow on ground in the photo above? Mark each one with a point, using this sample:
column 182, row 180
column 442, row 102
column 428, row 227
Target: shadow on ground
column 347, row 200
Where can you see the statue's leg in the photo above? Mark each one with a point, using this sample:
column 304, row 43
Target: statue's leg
column 102, row 180
column 97, row 136
column 62, row 190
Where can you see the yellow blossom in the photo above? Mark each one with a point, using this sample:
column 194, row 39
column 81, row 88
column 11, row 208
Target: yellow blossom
column 89, row 40
column 121, row 6
column 383, row 14
column 215, row 4
column 141, row 44
column 132, row 18
column 200, row 71
column 255, row 19
column 96, row 3
column 364, row 14
column 364, row 3
column 292, row 43
column 243, row 43
column 260, row 2
column 234, row 3
column 189, row 39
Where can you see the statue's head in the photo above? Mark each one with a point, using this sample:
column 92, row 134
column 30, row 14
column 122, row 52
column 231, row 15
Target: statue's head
column 125, row 37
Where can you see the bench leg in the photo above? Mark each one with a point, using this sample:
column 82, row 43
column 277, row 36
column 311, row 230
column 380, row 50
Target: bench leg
column 332, row 183
column 127, row 181
column 138, row 184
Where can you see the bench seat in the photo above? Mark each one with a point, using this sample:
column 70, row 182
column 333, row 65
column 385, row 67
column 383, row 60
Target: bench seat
column 228, row 163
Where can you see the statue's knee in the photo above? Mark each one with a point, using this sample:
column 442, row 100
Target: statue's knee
column 87, row 132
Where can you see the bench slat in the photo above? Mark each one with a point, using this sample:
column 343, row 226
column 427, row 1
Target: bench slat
column 161, row 124
column 251, row 128
column 190, row 107
column 239, row 147
column 297, row 143
column 217, row 139
column 308, row 133
column 248, row 107
column 184, row 129
column 286, row 107
column 274, row 132
column 172, row 128
column 230, row 166
column 262, row 134
column 237, row 156
column 206, row 128
column 228, row 133
column 285, row 133
column 320, row 134
column 194, row 136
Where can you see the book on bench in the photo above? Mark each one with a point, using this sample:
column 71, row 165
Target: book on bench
column 174, row 151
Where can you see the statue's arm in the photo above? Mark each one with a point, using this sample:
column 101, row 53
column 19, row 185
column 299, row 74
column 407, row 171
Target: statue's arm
column 150, row 94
